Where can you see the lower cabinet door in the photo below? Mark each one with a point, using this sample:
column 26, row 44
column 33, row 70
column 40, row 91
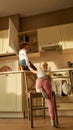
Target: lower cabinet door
column 9, row 93
column 65, row 106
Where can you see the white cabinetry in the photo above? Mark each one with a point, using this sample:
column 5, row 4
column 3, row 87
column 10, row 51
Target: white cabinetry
column 61, row 35
column 1, row 42
column 9, row 38
column 64, row 100
column 65, row 105
column 13, row 35
column 10, row 92
column 48, row 36
column 66, row 31
column 4, row 42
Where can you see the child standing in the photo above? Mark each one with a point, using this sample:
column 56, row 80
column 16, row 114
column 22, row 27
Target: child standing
column 23, row 58
column 43, row 85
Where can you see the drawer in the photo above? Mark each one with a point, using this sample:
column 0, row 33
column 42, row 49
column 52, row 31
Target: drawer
column 64, row 106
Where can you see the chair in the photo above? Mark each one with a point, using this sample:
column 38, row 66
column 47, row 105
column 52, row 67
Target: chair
column 32, row 94
column 30, row 89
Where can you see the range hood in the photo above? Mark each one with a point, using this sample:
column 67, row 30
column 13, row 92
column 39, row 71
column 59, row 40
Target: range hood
column 51, row 47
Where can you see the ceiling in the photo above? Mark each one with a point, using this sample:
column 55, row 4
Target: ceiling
column 32, row 7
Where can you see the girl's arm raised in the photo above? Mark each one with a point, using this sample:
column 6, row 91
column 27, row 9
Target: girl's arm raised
column 31, row 69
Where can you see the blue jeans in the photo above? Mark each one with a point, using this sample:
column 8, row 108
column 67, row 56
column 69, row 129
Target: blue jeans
column 23, row 63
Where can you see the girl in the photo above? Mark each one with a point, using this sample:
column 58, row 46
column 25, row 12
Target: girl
column 43, row 85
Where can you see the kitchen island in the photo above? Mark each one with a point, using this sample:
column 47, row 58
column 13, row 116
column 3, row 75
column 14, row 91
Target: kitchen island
column 13, row 100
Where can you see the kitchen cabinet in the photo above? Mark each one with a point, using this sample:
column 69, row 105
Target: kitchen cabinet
column 65, row 101
column 66, row 31
column 65, row 105
column 32, row 39
column 4, row 42
column 11, row 92
column 1, row 41
column 58, row 79
column 9, row 38
column 48, row 36
column 56, row 35
column 13, row 34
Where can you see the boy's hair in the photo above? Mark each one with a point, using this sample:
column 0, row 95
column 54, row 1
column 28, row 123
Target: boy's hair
column 25, row 42
column 23, row 45
column 43, row 65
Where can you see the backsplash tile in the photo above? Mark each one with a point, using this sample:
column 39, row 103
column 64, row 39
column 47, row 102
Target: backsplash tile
column 56, row 60
column 12, row 63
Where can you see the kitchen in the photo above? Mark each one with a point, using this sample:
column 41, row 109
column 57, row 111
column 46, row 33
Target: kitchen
column 57, row 59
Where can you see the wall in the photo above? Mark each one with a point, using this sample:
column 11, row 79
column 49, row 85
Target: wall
column 56, row 59
column 37, row 21
column 11, row 62
column 4, row 22
column 47, row 19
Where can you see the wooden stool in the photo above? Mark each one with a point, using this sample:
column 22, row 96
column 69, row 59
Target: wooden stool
column 41, row 107
column 32, row 107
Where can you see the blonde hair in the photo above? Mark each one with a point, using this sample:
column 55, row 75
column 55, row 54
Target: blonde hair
column 43, row 65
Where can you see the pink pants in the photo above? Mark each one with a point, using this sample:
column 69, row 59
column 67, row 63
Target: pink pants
column 46, row 84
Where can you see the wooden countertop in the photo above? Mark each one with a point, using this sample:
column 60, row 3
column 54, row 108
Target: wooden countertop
column 61, row 70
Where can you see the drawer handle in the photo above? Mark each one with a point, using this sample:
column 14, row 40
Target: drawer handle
column 6, row 75
column 58, row 106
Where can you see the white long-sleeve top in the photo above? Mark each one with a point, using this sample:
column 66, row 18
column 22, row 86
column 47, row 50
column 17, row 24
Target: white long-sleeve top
column 23, row 55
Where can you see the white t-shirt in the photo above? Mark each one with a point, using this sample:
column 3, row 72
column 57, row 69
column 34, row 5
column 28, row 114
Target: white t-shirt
column 42, row 74
column 23, row 55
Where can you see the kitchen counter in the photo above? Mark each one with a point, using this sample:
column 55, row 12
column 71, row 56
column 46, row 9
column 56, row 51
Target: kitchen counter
column 61, row 70
column 12, row 103
column 14, row 71
column 57, row 70
column 11, row 72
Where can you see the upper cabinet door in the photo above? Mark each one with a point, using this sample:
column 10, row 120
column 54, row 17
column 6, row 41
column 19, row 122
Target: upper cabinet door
column 1, row 42
column 9, row 38
column 66, row 31
column 6, row 47
column 48, row 36
column 4, row 43
column 13, row 35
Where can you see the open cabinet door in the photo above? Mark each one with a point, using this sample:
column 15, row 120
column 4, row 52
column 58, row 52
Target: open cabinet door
column 13, row 36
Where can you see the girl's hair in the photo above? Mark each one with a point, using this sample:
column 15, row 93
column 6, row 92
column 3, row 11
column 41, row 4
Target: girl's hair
column 24, row 44
column 43, row 65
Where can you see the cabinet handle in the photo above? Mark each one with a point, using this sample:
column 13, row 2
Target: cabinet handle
column 6, row 75
column 58, row 106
